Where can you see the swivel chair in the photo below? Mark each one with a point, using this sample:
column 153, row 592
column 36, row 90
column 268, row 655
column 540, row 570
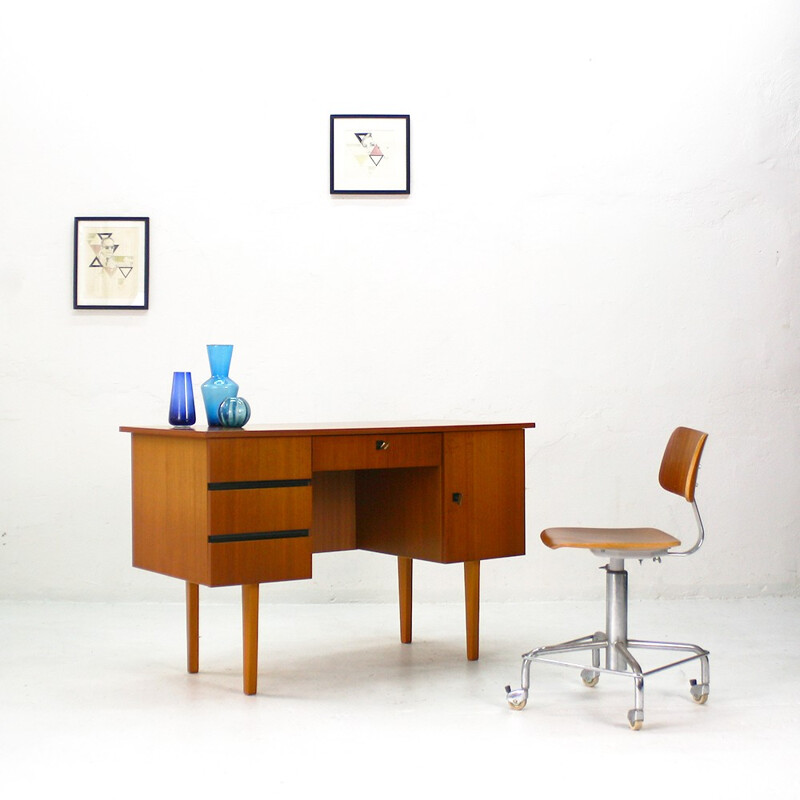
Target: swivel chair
column 678, row 474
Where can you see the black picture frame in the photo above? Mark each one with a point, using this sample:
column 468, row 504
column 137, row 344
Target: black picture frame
column 111, row 268
column 370, row 154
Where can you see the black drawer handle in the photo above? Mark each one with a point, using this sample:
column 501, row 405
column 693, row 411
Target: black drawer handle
column 224, row 486
column 381, row 445
column 221, row 538
column 457, row 498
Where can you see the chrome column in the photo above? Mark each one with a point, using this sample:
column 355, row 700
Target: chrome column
column 616, row 612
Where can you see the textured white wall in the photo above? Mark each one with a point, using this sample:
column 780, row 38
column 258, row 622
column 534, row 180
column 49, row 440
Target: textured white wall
column 603, row 236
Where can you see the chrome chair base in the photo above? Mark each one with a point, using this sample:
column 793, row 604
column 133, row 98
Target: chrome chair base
column 618, row 658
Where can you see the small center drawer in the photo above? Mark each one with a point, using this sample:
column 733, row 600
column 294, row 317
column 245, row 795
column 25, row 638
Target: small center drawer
column 376, row 451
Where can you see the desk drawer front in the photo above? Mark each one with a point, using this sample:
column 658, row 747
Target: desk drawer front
column 259, row 459
column 259, row 510
column 376, row 451
column 259, row 561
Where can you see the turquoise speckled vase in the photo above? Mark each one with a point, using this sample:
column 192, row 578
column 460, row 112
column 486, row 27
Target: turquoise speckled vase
column 234, row 412
column 219, row 386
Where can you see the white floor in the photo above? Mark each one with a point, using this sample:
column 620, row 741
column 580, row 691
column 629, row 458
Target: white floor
column 96, row 698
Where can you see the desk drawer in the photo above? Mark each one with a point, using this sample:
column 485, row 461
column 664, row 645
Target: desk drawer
column 246, row 458
column 260, row 561
column 376, row 451
column 259, row 510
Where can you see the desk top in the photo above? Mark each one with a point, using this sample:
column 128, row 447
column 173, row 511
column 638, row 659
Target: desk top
column 326, row 429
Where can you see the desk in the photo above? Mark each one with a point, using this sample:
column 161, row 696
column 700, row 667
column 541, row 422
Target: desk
column 222, row 507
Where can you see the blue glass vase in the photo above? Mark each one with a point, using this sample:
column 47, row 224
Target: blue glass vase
column 234, row 412
column 181, row 402
column 219, row 385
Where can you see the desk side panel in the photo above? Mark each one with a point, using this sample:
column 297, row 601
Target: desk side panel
column 170, row 517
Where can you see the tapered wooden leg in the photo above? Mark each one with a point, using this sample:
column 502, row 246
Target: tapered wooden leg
column 192, row 627
column 472, row 592
column 405, row 568
column 250, row 636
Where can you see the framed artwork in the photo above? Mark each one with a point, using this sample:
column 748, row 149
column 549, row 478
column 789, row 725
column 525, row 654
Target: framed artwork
column 112, row 256
column 370, row 154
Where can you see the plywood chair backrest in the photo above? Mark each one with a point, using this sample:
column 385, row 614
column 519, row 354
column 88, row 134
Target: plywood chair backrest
column 681, row 460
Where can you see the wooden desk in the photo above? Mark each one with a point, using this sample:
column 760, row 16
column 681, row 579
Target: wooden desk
column 223, row 507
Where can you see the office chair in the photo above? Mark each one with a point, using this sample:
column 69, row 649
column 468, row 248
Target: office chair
column 678, row 474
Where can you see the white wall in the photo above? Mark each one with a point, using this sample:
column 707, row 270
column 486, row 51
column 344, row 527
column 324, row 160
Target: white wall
column 603, row 236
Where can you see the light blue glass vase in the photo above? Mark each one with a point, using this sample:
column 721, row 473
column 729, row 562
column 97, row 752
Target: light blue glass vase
column 219, row 385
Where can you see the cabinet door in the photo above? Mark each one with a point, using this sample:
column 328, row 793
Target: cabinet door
column 483, row 495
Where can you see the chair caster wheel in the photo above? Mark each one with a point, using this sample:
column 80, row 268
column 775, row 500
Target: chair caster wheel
column 699, row 692
column 517, row 699
column 635, row 719
column 589, row 677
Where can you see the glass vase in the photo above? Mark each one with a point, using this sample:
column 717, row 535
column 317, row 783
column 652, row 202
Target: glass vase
column 234, row 412
column 219, row 385
column 181, row 402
